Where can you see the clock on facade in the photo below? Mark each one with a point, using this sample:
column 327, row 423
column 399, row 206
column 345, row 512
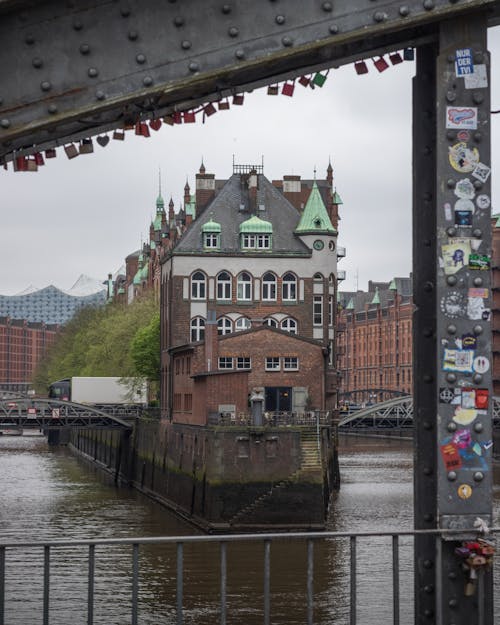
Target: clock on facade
column 318, row 244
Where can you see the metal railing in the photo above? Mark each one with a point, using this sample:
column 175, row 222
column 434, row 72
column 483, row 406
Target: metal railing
column 310, row 541
column 274, row 419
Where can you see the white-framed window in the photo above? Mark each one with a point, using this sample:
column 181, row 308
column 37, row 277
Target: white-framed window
column 197, row 329
column 271, row 321
column 289, row 288
column 225, row 362
column 224, row 286
column 198, row 285
column 263, row 241
column 224, row 325
column 289, row 325
column 272, row 363
column 248, row 241
column 243, row 362
column 211, row 240
column 269, row 283
column 244, row 287
column 331, row 302
column 243, row 323
column 290, row 363
column 318, row 310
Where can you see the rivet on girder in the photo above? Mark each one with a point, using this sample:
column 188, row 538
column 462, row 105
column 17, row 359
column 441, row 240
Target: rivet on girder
column 133, row 35
column 280, row 19
column 478, row 427
column 77, row 25
column 477, row 97
column 478, row 476
column 428, row 5
column 478, row 136
column 451, row 377
column 84, row 48
column 193, row 66
column 428, row 613
column 380, row 16
column 5, row 123
column 450, row 58
column 451, row 427
column 450, row 183
column 452, row 575
column 428, row 471
column 52, row 108
column 327, row 6
column 428, row 287
column 427, row 196
column 478, row 57
column 453, row 603
column 147, row 81
column 185, row 45
column 100, row 95
column 233, row 31
column 226, row 8
column 287, row 41
column 451, row 95
column 37, row 62
column 240, row 54
column 45, row 85
column 452, row 328
column 93, row 72
column 428, row 517
column 178, row 21
column 451, row 280
column 125, row 11
column 451, row 231
column 427, row 425
column 404, row 10
column 450, row 135
column 428, row 378
column 428, row 564
column 427, row 332
column 478, row 281
column 452, row 476
column 477, row 378
column 477, row 184
column 334, row 29
column 29, row 39
column 140, row 58
column 477, row 233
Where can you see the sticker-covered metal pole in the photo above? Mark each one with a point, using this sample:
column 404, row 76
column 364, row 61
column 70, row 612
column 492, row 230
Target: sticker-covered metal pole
column 460, row 380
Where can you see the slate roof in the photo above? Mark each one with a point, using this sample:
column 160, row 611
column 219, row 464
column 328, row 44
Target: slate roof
column 386, row 294
column 232, row 206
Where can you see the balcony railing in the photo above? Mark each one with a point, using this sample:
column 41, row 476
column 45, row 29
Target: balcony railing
column 338, row 577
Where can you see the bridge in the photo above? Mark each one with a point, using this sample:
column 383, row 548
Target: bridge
column 25, row 413
column 395, row 413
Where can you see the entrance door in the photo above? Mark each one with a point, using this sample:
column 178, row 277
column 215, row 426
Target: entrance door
column 278, row 399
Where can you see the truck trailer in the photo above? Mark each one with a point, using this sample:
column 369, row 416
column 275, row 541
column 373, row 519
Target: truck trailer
column 99, row 391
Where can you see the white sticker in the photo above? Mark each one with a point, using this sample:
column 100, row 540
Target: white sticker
column 447, row 211
column 478, row 79
column 464, row 205
column 464, row 189
column 458, row 117
column 481, row 364
column 483, row 201
column 481, row 172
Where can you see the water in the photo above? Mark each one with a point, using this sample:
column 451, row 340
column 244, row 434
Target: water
column 50, row 494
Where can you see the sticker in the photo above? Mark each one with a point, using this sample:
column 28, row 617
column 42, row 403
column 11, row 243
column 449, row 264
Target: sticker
column 450, row 456
column 458, row 360
column 478, row 292
column 462, row 439
column 464, row 416
column 462, row 158
column 483, row 201
column 481, row 364
column 454, row 305
column 451, row 396
column 447, row 211
column 464, row 189
column 464, row 491
column 468, row 398
column 482, row 172
column 454, row 255
column 476, row 308
column 463, row 135
column 478, row 79
column 476, row 448
column 469, row 341
column 463, row 218
column 487, row 445
column 459, row 117
column 464, row 205
column 478, row 261
column 463, row 62
column 482, row 398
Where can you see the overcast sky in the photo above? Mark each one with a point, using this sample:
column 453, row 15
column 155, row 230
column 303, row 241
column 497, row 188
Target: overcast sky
column 87, row 214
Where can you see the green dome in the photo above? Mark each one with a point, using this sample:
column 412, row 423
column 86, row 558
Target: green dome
column 211, row 226
column 256, row 225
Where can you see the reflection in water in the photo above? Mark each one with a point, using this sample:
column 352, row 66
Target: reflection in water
column 49, row 494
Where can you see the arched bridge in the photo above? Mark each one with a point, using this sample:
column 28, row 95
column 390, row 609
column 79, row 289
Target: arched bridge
column 395, row 413
column 22, row 412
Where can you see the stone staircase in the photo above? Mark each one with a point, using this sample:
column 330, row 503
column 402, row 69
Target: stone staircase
column 311, row 463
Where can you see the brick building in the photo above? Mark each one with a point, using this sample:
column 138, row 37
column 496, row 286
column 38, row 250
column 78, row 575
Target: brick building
column 22, row 345
column 375, row 340
column 248, row 298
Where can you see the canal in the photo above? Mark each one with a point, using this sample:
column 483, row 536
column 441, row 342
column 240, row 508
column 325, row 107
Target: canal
column 50, row 494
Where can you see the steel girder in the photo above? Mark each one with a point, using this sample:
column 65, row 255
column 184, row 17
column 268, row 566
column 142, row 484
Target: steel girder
column 70, row 70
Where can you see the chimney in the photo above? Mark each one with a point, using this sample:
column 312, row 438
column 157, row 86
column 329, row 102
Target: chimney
column 211, row 342
column 292, row 190
column 205, row 189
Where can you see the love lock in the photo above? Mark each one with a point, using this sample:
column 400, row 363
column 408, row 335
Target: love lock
column 476, row 556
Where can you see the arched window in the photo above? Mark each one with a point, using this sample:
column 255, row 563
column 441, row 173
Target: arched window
column 269, row 287
column 289, row 288
column 197, row 329
column 224, row 325
column 244, row 286
column 198, row 285
column 243, row 323
column 224, row 286
column 271, row 321
column 289, row 325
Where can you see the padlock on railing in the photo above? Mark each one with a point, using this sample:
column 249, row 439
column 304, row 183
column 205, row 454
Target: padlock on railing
column 477, row 557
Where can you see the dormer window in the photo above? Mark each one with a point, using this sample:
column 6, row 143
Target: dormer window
column 211, row 240
column 256, row 234
column 210, row 232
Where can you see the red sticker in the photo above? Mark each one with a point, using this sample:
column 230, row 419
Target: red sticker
column 451, row 457
column 482, row 398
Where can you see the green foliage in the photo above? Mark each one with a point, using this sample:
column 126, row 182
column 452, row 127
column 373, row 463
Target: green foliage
column 116, row 340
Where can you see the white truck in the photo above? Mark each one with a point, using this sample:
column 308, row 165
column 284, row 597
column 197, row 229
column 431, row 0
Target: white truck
column 99, row 390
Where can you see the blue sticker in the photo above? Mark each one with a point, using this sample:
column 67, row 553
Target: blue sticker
column 464, row 65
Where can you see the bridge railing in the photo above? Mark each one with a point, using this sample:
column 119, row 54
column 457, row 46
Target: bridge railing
column 331, row 577
column 281, row 418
